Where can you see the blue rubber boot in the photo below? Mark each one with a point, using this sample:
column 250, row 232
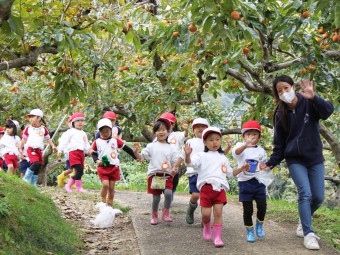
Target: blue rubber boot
column 259, row 229
column 250, row 234
column 34, row 180
column 28, row 176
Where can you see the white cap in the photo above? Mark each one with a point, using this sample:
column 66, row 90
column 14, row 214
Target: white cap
column 209, row 130
column 36, row 112
column 104, row 123
column 200, row 121
column 15, row 123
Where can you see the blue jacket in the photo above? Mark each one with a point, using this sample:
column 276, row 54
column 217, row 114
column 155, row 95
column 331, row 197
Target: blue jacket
column 301, row 142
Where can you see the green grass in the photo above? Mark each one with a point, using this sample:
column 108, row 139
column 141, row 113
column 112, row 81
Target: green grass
column 325, row 221
column 30, row 223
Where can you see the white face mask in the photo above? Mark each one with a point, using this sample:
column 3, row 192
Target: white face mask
column 288, row 97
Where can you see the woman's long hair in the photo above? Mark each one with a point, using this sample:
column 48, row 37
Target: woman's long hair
column 281, row 106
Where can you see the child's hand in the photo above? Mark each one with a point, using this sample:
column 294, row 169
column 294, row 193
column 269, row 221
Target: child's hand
column 229, row 141
column 54, row 148
column 187, row 149
column 135, row 147
column 174, row 171
column 245, row 167
column 99, row 163
column 263, row 166
column 185, row 125
column 249, row 141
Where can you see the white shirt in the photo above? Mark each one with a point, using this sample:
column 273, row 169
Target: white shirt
column 257, row 153
column 35, row 136
column 177, row 140
column 212, row 168
column 109, row 148
column 9, row 144
column 161, row 156
column 197, row 146
column 74, row 139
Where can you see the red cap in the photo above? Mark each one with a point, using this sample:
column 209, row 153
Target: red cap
column 69, row 119
column 169, row 116
column 2, row 130
column 109, row 115
column 250, row 124
column 167, row 122
column 77, row 116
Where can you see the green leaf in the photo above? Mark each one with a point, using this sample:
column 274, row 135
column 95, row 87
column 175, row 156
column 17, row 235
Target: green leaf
column 337, row 15
column 207, row 24
column 16, row 25
column 59, row 37
column 129, row 36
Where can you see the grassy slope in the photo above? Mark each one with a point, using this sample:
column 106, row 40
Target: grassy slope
column 30, row 223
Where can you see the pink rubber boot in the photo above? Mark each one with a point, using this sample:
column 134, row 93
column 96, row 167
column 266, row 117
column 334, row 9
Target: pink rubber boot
column 69, row 185
column 217, row 229
column 166, row 216
column 154, row 218
column 207, row 231
column 79, row 186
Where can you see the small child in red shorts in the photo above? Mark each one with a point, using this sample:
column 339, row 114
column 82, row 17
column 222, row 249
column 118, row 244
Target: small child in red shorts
column 212, row 167
column 105, row 155
column 9, row 146
column 162, row 157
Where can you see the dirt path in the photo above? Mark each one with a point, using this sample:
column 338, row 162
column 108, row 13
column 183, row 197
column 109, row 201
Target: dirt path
column 133, row 234
column 80, row 209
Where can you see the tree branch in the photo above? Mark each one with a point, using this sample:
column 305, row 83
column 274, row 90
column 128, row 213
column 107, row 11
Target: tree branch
column 271, row 67
column 29, row 60
column 333, row 54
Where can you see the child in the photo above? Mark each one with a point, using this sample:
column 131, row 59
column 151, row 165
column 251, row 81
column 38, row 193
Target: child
column 249, row 187
column 9, row 146
column 77, row 145
column 61, row 177
column 197, row 145
column 105, row 155
column 212, row 167
column 161, row 156
column 2, row 132
column 176, row 139
column 33, row 136
column 116, row 130
column 24, row 163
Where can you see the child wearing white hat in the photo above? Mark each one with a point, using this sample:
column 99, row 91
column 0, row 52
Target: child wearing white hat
column 105, row 155
column 34, row 136
column 212, row 167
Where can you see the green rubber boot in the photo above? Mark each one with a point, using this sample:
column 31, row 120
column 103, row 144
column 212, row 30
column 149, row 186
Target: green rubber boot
column 190, row 213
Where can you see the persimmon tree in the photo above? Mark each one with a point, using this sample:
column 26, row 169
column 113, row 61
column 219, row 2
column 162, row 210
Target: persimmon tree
column 214, row 59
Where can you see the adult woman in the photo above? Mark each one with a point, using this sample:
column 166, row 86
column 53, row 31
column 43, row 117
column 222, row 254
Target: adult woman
column 297, row 140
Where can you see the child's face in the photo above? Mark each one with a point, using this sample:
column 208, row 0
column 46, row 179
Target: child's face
column 105, row 132
column 78, row 124
column 213, row 141
column 162, row 133
column 34, row 120
column 198, row 130
column 9, row 131
column 113, row 121
column 1, row 135
column 252, row 135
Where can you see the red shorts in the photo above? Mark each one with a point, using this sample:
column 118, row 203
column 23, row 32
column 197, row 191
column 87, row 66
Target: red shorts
column 12, row 160
column 1, row 163
column 210, row 197
column 76, row 157
column 35, row 155
column 168, row 185
column 110, row 173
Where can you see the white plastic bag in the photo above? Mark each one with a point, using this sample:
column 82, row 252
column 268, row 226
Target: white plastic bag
column 106, row 216
column 265, row 177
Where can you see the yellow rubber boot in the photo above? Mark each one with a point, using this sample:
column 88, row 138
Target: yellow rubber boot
column 60, row 178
